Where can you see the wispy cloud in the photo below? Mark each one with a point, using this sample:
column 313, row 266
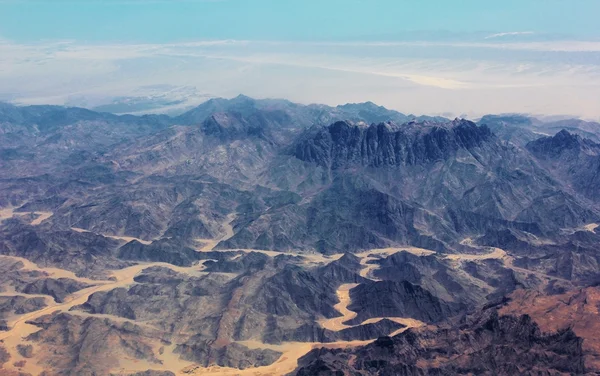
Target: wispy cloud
column 550, row 46
column 510, row 33
column 422, row 77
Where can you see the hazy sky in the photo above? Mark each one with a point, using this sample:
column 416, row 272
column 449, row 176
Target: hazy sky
column 426, row 56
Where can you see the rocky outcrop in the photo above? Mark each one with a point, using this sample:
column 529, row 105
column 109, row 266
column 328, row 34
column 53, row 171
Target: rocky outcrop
column 276, row 299
column 345, row 270
column 398, row 299
column 472, row 283
column 18, row 305
column 164, row 250
column 521, row 129
column 561, row 143
column 4, row 355
column 26, row 351
column 343, row 144
column 233, row 355
column 59, row 288
column 352, row 213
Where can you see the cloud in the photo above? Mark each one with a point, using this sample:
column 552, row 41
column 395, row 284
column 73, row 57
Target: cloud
column 549, row 46
column 413, row 76
column 510, row 33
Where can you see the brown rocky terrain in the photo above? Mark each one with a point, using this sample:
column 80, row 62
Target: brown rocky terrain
column 577, row 310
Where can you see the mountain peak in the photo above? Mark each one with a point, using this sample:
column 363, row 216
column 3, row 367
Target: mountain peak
column 565, row 135
column 242, row 97
column 364, row 105
column 561, row 142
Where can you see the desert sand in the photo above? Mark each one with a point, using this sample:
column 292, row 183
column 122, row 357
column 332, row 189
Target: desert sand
column 291, row 351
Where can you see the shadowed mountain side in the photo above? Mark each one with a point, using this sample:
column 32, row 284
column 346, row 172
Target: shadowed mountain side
column 65, row 249
column 399, row 299
column 470, row 283
column 572, row 159
column 164, row 250
column 315, row 333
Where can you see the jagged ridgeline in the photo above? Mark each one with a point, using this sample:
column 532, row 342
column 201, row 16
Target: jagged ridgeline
column 243, row 233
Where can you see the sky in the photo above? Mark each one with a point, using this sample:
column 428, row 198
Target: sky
column 460, row 57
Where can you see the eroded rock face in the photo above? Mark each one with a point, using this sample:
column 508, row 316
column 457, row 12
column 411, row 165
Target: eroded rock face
column 470, row 283
column 343, row 144
column 342, row 186
column 490, row 344
column 4, row 355
column 18, row 282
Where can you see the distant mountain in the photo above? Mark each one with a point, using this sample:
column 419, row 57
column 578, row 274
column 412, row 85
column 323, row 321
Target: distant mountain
column 380, row 114
column 302, row 115
column 521, row 129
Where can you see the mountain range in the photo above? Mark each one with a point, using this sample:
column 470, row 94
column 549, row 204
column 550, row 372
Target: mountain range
column 266, row 236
